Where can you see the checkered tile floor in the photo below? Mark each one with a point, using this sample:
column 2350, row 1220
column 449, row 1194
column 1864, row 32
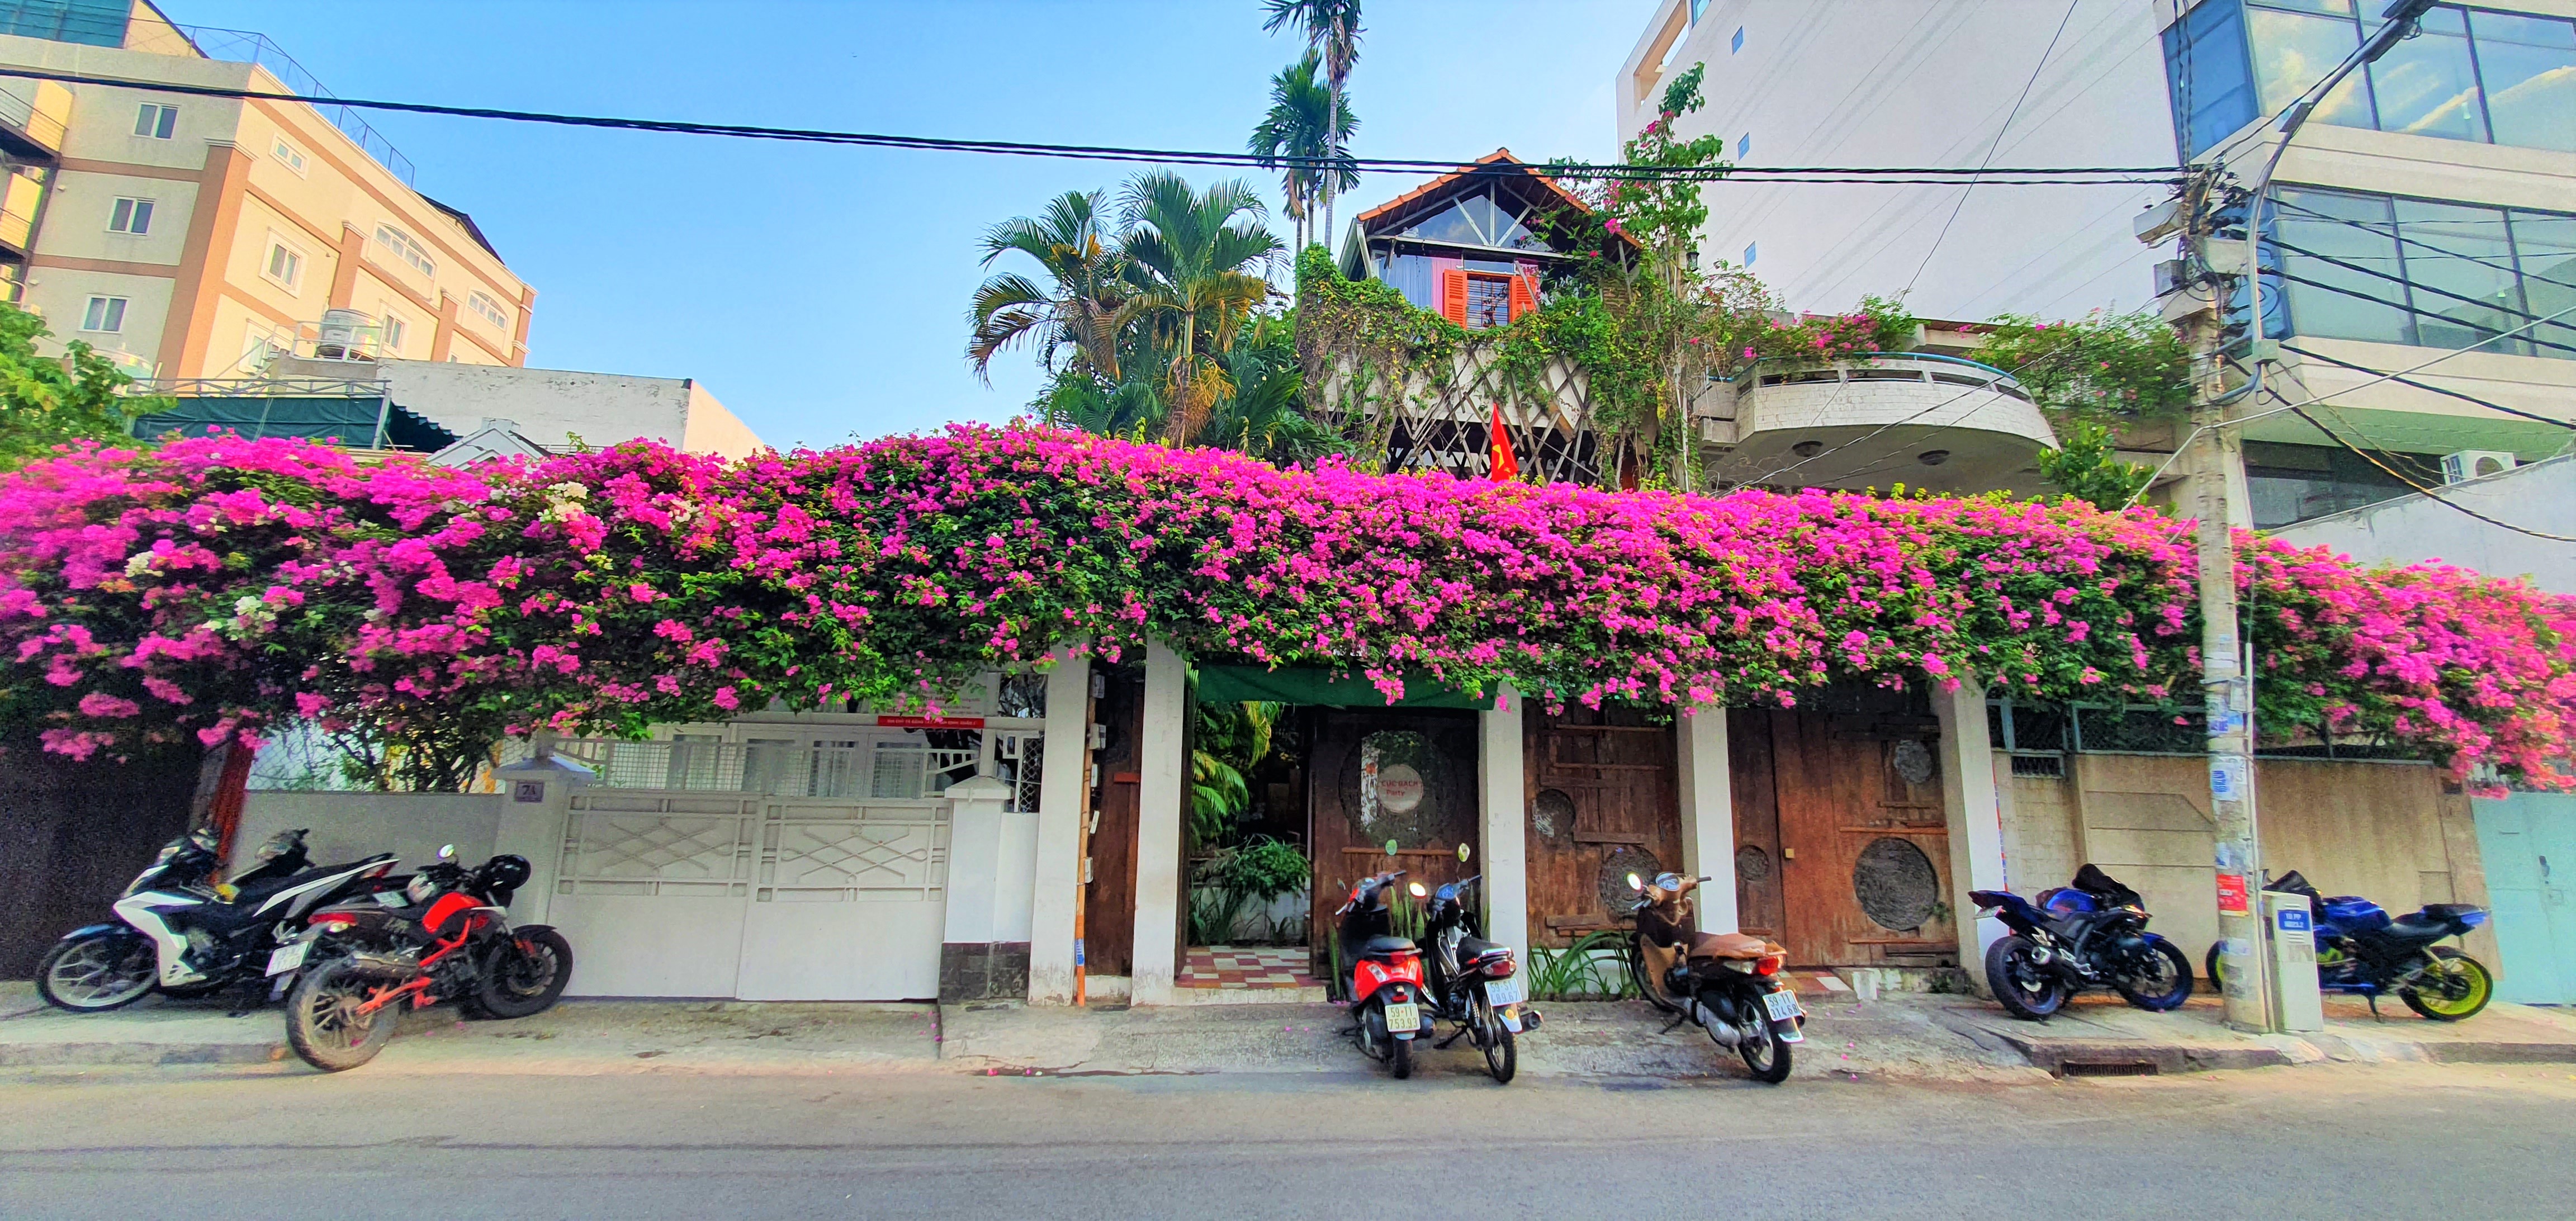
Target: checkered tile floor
column 1246, row 967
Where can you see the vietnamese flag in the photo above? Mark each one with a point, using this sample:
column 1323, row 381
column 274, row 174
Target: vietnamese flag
column 1505, row 466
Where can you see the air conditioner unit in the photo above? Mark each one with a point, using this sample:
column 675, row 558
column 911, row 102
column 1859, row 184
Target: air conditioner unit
column 2471, row 464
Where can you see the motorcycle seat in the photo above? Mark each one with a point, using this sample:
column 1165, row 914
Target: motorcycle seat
column 1727, row 945
column 1383, row 947
column 2416, row 927
column 1473, row 948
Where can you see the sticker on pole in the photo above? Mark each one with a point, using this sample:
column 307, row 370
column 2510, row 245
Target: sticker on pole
column 2227, row 778
column 2231, row 895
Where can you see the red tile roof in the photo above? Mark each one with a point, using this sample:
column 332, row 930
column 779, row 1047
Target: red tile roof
column 1480, row 168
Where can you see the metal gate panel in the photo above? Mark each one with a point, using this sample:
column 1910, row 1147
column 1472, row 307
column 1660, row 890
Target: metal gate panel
column 652, row 890
column 849, row 901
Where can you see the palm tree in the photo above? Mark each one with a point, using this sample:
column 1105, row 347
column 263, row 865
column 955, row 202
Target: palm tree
column 1187, row 253
column 1333, row 28
column 1087, row 304
column 1292, row 134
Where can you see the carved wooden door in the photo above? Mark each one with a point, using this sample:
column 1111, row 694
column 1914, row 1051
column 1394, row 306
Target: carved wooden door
column 1381, row 776
column 1604, row 801
column 1855, row 837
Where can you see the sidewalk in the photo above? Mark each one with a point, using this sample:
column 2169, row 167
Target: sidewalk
column 2101, row 1034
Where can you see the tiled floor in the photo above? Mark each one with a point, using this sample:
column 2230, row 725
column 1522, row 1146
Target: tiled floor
column 1246, row 967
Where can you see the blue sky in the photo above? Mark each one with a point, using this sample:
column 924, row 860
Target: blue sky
column 820, row 292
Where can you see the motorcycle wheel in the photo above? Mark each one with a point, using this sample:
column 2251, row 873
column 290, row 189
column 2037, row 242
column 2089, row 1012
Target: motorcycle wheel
column 1647, row 988
column 2025, row 989
column 1764, row 1054
column 103, row 971
column 527, row 976
column 2453, row 986
column 322, row 1022
column 1399, row 1057
column 2209, row 969
column 1501, row 1047
column 2164, row 984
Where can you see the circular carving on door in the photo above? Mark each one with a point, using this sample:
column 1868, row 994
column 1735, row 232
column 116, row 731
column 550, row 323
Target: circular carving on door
column 1552, row 814
column 1912, row 760
column 1615, row 868
column 1896, row 884
column 1752, row 864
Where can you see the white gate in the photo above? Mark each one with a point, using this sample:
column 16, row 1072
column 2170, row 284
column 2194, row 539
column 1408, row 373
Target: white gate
column 761, row 896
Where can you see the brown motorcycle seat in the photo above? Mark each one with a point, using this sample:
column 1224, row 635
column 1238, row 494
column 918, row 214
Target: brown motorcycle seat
column 1727, row 945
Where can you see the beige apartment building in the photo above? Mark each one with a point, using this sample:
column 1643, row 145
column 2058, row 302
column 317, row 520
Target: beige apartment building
column 195, row 237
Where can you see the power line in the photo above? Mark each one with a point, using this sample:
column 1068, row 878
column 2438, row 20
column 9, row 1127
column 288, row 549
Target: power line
column 2009, row 115
column 2462, row 323
column 2403, row 380
column 1891, row 175
column 2428, row 493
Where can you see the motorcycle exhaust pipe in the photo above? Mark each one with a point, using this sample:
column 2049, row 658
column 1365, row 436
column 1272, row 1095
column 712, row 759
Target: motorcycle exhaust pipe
column 390, row 967
column 1718, row 1028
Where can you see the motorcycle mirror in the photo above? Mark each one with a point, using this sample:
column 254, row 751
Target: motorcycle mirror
column 1636, row 883
column 447, row 852
column 1418, row 891
column 1462, row 853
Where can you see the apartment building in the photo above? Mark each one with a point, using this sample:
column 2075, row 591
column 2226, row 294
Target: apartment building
column 197, row 237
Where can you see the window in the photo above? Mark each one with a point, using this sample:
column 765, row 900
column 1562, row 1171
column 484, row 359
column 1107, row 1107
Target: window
column 1738, row 43
column 104, row 314
column 2206, row 72
column 488, row 309
column 285, row 264
column 2419, row 272
column 130, row 216
column 1697, row 7
column 1489, row 301
column 156, row 121
column 287, row 156
column 401, row 245
column 1749, row 251
column 2293, row 51
column 2427, row 85
column 394, row 330
column 2529, row 66
column 1743, row 144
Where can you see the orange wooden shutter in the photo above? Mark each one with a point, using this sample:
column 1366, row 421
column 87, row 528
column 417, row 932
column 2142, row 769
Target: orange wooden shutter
column 1524, row 295
column 1453, row 296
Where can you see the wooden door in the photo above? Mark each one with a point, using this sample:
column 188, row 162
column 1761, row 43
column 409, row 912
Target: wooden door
column 1380, row 775
column 1863, row 849
column 1109, row 902
column 1757, row 823
column 1604, row 801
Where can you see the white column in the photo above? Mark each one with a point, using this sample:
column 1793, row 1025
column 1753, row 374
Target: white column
column 1501, row 787
column 1970, row 803
column 1064, row 791
column 1708, row 814
column 1163, row 771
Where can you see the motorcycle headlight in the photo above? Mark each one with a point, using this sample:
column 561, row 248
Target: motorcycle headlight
column 420, row 888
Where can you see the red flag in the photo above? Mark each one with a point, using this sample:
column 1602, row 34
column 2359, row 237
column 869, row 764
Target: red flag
column 1505, row 466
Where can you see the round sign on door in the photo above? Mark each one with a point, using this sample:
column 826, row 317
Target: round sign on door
column 1396, row 800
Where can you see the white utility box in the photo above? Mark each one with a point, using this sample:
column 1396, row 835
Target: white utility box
column 2290, row 928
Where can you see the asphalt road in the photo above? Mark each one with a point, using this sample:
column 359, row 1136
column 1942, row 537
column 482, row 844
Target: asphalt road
column 2414, row 1140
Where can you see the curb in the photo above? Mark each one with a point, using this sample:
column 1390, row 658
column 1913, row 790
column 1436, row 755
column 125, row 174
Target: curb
column 51, row 1055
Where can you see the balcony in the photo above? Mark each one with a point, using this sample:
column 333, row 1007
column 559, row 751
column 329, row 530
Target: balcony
column 33, row 117
column 1926, row 421
column 247, row 47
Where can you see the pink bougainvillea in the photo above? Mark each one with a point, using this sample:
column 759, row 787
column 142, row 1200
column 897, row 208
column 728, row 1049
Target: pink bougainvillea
column 214, row 587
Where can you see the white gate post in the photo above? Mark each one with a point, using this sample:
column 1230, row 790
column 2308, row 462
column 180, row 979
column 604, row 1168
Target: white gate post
column 1064, row 784
column 1973, row 809
column 1707, row 785
column 1163, row 771
column 975, row 868
column 1501, row 784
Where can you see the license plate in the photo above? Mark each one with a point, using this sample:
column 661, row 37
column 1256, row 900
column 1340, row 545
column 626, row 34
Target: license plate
column 1404, row 1020
column 1501, row 992
column 287, row 957
column 1783, row 1005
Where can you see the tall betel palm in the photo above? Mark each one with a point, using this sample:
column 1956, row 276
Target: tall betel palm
column 1086, row 305
column 1291, row 139
column 1332, row 27
column 1188, row 253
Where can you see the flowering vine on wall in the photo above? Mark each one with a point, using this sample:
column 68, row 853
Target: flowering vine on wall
column 216, row 587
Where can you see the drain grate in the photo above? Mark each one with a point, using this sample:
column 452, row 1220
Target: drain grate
column 2106, row 1068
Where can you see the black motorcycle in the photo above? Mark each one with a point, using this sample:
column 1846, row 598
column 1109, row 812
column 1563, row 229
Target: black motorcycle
column 365, row 964
column 2089, row 935
column 1472, row 981
column 178, row 930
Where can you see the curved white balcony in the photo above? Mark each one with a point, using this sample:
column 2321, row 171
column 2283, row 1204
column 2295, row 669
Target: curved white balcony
column 1914, row 418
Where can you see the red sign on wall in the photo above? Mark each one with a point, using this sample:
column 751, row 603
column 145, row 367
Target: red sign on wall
column 931, row 722
column 2231, row 895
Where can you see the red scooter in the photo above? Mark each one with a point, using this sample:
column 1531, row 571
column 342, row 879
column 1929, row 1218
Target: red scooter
column 1386, row 974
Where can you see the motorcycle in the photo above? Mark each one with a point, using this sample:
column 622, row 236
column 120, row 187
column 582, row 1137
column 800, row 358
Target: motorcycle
column 2089, row 935
column 1728, row 983
column 180, row 931
column 1386, row 991
column 363, row 965
column 1472, row 982
column 2362, row 951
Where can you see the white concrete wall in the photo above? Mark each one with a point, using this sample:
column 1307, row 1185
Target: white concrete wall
column 2415, row 528
column 1923, row 82
column 551, row 404
column 347, row 826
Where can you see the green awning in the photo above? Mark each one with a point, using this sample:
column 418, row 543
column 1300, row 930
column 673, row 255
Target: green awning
column 338, row 419
column 1313, row 685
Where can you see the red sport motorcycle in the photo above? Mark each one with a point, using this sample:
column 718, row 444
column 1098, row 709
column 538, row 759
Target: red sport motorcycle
column 445, row 936
column 1386, row 974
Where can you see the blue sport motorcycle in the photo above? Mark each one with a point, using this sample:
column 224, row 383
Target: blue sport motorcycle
column 2363, row 951
column 2092, row 934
